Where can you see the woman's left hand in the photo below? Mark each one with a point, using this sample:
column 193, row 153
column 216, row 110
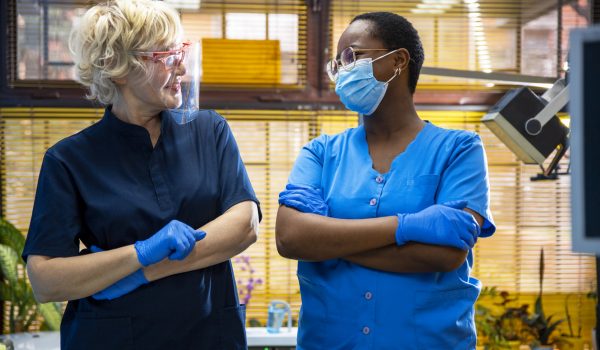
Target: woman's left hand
column 303, row 198
column 122, row 286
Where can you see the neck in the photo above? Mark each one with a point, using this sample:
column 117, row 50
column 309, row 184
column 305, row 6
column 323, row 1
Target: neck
column 133, row 112
column 394, row 114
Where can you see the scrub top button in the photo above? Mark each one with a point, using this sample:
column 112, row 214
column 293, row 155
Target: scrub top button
column 373, row 201
column 366, row 330
column 368, row 295
column 379, row 179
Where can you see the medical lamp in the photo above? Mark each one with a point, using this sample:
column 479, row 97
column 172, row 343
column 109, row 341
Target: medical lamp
column 529, row 127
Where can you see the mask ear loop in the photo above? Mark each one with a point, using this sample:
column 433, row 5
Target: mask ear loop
column 396, row 73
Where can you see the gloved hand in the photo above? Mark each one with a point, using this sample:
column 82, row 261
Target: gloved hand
column 123, row 286
column 175, row 241
column 306, row 199
column 446, row 224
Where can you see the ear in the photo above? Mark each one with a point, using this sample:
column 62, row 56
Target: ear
column 402, row 59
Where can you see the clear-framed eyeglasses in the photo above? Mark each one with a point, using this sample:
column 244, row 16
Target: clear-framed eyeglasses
column 171, row 59
column 347, row 61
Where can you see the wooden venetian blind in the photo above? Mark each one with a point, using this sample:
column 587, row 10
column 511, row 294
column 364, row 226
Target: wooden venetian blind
column 529, row 215
column 249, row 32
column 221, row 63
column 514, row 36
column 42, row 29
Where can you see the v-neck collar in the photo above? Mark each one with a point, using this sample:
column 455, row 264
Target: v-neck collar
column 364, row 147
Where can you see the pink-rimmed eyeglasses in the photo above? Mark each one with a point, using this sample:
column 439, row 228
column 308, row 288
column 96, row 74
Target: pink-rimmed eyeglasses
column 171, row 58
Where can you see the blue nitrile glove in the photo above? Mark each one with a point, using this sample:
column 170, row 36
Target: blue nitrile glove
column 306, row 199
column 446, row 224
column 174, row 241
column 122, row 286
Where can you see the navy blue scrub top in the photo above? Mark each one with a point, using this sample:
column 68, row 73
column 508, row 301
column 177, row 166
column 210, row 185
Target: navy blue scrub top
column 107, row 186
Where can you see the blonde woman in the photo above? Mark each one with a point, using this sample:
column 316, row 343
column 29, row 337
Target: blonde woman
column 162, row 206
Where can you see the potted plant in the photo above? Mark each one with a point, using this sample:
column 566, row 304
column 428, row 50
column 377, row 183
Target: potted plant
column 15, row 290
column 571, row 340
column 543, row 329
column 500, row 330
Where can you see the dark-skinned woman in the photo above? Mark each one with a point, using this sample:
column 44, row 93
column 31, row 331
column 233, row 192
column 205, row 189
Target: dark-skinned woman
column 383, row 217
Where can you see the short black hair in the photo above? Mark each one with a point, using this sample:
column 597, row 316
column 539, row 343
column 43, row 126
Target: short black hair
column 397, row 32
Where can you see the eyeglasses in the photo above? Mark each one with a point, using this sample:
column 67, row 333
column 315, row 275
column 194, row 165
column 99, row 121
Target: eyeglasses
column 347, row 61
column 171, row 59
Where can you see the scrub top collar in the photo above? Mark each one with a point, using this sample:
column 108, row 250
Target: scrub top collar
column 364, row 147
column 132, row 130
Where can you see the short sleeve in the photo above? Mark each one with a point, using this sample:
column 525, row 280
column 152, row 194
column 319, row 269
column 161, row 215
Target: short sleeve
column 56, row 219
column 235, row 186
column 466, row 178
column 308, row 168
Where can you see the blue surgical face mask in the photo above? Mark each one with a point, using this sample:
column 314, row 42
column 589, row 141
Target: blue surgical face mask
column 358, row 89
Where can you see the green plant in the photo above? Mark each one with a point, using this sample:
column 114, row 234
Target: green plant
column 571, row 334
column 15, row 289
column 542, row 328
column 502, row 325
column 487, row 323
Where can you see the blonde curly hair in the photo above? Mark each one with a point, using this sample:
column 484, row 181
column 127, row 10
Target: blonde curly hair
column 105, row 35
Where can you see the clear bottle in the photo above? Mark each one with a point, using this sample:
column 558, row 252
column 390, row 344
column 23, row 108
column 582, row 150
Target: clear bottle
column 277, row 311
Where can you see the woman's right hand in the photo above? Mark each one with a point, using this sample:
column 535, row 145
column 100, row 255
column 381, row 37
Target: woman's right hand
column 440, row 224
column 174, row 241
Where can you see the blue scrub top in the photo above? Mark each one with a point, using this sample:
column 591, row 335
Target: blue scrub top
column 108, row 186
column 347, row 306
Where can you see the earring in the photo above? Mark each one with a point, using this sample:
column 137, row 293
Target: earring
column 396, row 73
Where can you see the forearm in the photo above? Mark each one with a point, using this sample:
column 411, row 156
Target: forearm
column 411, row 258
column 226, row 236
column 61, row 279
column 313, row 237
column 414, row 257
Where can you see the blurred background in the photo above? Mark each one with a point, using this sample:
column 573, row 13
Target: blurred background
column 263, row 70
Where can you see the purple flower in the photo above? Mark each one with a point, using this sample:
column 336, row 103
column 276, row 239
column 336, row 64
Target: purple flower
column 246, row 285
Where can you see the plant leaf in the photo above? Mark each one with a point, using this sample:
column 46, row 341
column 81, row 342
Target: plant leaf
column 8, row 263
column 11, row 236
column 541, row 272
column 51, row 315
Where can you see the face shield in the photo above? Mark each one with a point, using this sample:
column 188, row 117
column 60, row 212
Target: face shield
column 175, row 79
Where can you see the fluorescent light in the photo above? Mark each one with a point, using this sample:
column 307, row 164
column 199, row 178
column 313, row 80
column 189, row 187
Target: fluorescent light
column 184, row 4
column 427, row 11
column 433, row 6
column 447, row 2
